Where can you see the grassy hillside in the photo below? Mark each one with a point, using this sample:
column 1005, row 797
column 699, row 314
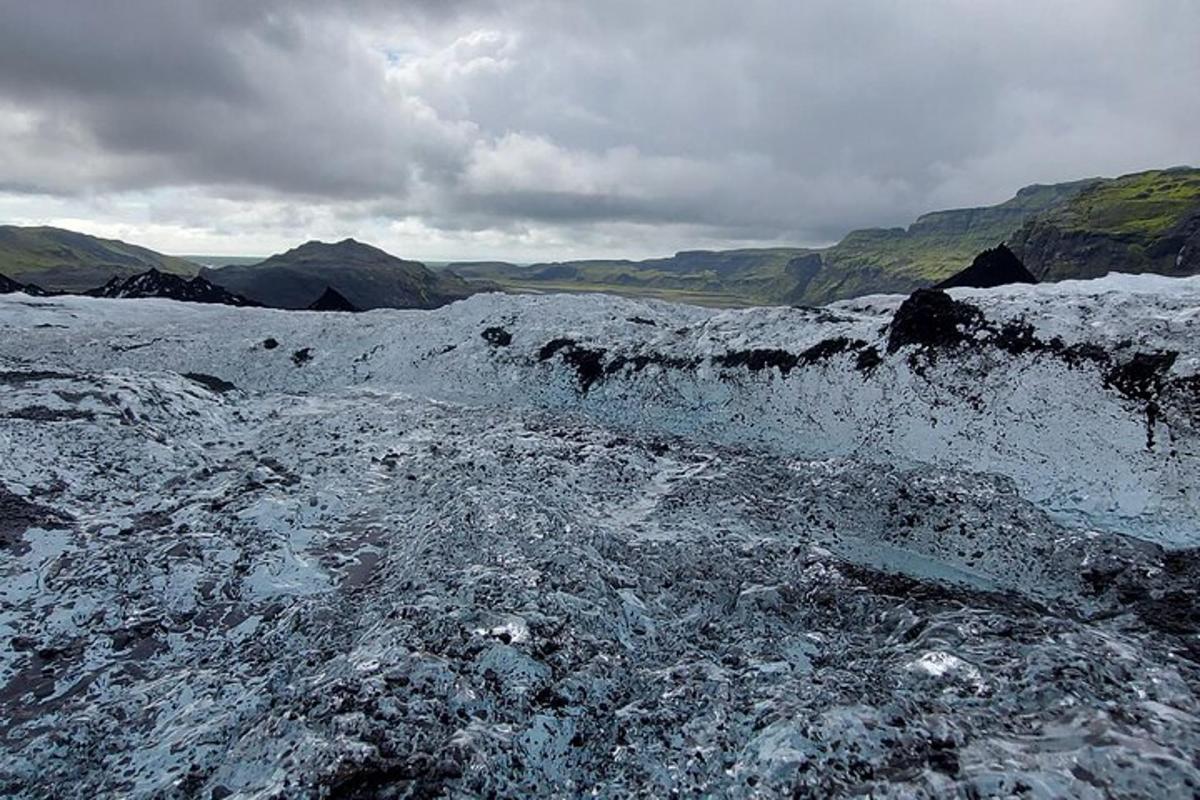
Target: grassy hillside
column 1144, row 222
column 364, row 275
column 1142, row 204
column 54, row 258
column 720, row 278
column 872, row 260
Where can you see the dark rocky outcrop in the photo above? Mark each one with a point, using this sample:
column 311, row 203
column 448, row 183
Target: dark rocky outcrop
column 210, row 382
column 1053, row 252
column 332, row 300
column 995, row 267
column 759, row 358
column 1144, row 222
column 153, row 283
column 932, row 319
column 9, row 286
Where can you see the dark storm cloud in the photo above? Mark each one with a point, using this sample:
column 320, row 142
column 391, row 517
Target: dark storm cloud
column 762, row 120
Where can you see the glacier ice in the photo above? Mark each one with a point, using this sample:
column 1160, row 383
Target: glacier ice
column 726, row 554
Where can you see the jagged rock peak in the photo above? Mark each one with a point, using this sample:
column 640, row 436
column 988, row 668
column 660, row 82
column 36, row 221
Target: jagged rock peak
column 9, row 286
column 153, row 283
column 332, row 300
column 994, row 267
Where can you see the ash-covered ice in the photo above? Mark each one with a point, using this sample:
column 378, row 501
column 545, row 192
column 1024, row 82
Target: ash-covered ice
column 422, row 564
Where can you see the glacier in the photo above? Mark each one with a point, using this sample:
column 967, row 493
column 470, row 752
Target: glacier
column 583, row 545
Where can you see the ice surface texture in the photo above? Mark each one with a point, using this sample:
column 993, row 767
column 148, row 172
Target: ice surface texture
column 544, row 545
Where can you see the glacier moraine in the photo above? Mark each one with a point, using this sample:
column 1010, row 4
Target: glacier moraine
column 567, row 546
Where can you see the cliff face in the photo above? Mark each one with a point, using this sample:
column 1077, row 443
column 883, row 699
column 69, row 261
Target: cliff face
column 1053, row 253
column 1148, row 222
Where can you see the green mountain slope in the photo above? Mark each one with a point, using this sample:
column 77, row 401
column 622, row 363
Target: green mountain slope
column 1136, row 223
column 934, row 247
column 59, row 259
column 366, row 276
column 1145, row 222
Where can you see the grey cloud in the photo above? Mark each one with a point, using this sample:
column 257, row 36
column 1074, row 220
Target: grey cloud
column 756, row 120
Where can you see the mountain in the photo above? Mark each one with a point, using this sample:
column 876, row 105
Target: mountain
column 933, row 248
column 523, row 546
column 866, row 261
column 64, row 260
column 331, row 300
column 996, row 266
column 1145, row 222
column 365, row 276
column 153, row 283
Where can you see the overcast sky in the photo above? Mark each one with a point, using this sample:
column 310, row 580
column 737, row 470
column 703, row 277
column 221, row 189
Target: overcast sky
column 537, row 130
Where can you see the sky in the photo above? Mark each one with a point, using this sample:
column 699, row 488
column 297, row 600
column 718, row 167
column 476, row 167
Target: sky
column 528, row 130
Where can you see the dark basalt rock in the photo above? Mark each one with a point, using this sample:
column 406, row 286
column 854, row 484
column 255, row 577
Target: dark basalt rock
column 270, row 344
column 21, row 378
column 763, row 358
column 759, row 359
column 45, row 414
column 332, row 300
column 996, row 267
column 497, row 336
column 868, row 359
column 588, row 366
column 933, row 320
column 827, row 349
column 9, row 286
column 642, row 360
column 589, row 363
column 302, row 356
column 210, row 382
column 153, row 283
